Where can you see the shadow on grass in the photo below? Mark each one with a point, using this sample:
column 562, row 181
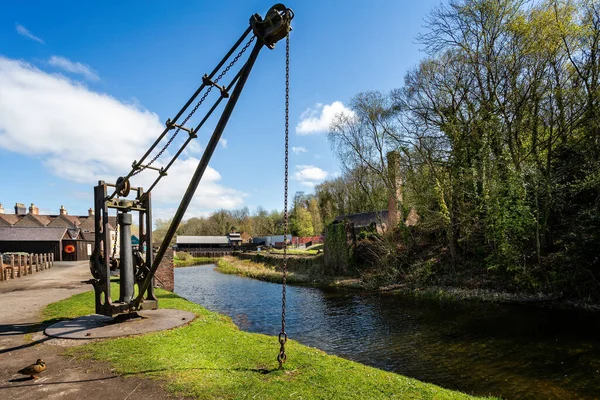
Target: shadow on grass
column 262, row 371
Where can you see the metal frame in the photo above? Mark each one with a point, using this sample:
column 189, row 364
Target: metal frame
column 273, row 28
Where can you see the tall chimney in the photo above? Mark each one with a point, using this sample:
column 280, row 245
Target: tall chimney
column 395, row 190
column 63, row 210
column 34, row 210
column 1, row 209
column 20, row 209
column 90, row 212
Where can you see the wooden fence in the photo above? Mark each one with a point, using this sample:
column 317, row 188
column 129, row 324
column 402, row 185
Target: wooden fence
column 24, row 264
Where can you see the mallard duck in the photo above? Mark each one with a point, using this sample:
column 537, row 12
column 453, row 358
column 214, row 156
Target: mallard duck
column 34, row 369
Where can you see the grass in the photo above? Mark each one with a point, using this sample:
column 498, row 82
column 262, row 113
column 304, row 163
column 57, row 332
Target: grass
column 183, row 259
column 307, row 252
column 212, row 359
column 235, row 266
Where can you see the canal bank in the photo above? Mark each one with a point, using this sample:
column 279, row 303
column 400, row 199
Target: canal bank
column 212, row 358
column 307, row 271
column 507, row 350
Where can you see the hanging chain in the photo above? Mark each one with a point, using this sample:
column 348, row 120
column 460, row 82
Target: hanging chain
column 283, row 335
column 204, row 96
column 115, row 240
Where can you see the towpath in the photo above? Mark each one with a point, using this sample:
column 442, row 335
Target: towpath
column 21, row 303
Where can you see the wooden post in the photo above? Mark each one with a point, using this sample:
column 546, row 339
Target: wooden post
column 25, row 262
column 52, row 259
column 37, row 263
column 46, row 266
column 19, row 273
column 1, row 267
column 12, row 266
column 31, row 263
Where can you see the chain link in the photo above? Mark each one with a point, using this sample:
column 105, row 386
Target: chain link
column 204, row 96
column 283, row 335
column 114, row 252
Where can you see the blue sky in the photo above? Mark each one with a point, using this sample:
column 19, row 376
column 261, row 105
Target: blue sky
column 86, row 86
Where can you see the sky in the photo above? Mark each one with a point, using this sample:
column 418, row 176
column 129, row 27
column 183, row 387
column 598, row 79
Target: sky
column 86, row 87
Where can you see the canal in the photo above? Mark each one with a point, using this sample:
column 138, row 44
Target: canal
column 511, row 351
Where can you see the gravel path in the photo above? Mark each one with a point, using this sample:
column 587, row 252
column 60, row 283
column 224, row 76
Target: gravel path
column 21, row 302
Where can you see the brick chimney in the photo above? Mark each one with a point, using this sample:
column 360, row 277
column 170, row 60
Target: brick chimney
column 34, row 210
column 1, row 209
column 90, row 212
column 20, row 209
column 63, row 210
column 395, row 192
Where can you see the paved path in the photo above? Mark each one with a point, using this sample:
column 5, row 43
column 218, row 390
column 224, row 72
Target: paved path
column 21, row 301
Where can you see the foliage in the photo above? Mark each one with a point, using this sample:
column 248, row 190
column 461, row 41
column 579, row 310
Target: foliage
column 499, row 139
column 222, row 222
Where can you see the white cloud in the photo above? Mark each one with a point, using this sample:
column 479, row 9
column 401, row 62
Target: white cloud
column 84, row 136
column 298, row 150
column 223, row 143
column 73, row 67
column 210, row 195
column 21, row 30
column 318, row 119
column 309, row 175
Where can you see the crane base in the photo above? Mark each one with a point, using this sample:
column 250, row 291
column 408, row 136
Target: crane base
column 100, row 326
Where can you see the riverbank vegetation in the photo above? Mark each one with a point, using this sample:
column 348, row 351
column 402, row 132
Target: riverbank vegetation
column 272, row 273
column 183, row 259
column 211, row 358
column 495, row 138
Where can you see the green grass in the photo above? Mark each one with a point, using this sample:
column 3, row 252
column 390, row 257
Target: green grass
column 233, row 266
column 212, row 359
column 188, row 262
column 299, row 252
column 249, row 269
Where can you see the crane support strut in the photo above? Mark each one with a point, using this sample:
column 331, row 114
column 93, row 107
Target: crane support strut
column 138, row 266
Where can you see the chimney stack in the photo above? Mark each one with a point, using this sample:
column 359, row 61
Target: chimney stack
column 1, row 209
column 20, row 209
column 90, row 212
column 34, row 210
column 395, row 191
column 63, row 210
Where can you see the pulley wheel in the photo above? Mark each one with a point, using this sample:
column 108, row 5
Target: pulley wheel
column 124, row 192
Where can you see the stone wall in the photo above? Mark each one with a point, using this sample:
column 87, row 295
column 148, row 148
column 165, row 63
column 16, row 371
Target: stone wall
column 165, row 275
column 338, row 249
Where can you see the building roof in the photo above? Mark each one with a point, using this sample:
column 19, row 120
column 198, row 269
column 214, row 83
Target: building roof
column 87, row 224
column 364, row 219
column 10, row 218
column 73, row 233
column 28, row 221
column 39, row 234
column 202, row 240
column 62, row 221
column 44, row 219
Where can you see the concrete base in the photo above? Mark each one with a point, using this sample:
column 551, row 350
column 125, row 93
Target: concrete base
column 99, row 326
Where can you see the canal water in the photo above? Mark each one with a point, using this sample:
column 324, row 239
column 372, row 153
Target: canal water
column 510, row 351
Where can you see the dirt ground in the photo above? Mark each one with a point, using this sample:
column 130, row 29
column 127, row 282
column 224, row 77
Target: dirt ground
column 21, row 301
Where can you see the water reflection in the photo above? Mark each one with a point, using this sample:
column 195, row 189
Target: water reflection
column 505, row 350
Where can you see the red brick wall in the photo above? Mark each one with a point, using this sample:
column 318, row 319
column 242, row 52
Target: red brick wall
column 165, row 275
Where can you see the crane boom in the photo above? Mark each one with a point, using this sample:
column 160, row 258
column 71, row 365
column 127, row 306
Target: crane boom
column 135, row 267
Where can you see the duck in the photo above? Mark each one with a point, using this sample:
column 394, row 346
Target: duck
column 34, row 369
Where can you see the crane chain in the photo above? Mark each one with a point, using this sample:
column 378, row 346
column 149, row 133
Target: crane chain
column 204, row 96
column 283, row 335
